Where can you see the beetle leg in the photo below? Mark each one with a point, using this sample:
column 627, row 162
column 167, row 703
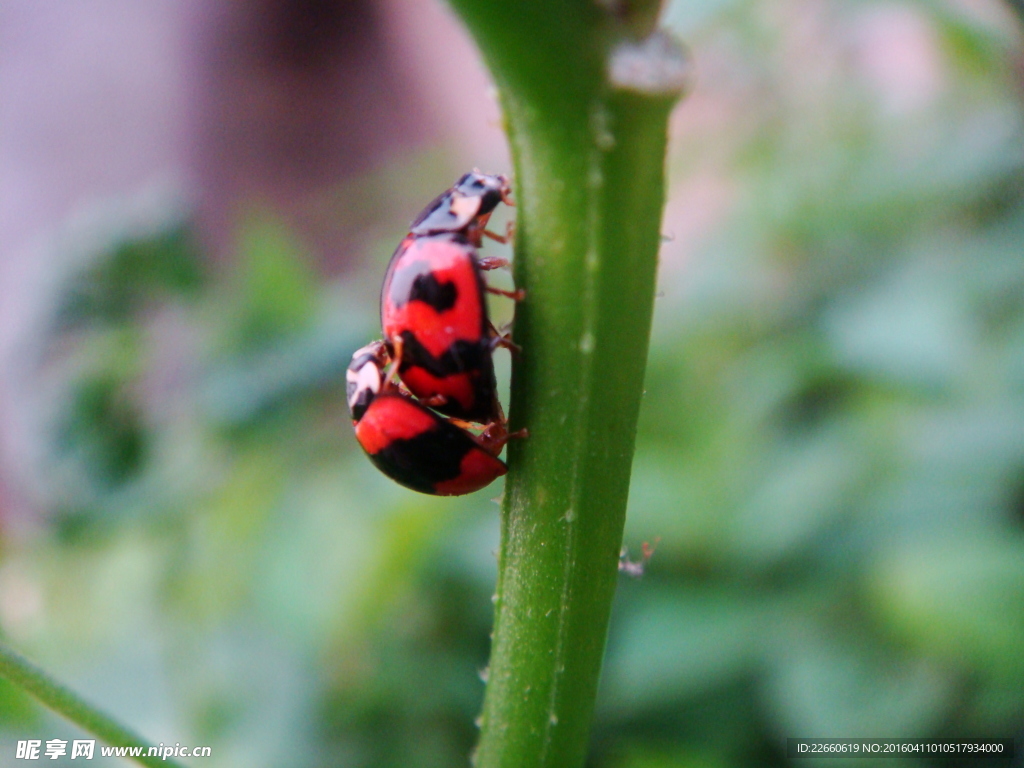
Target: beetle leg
column 517, row 295
column 496, row 434
column 492, row 262
column 500, row 339
column 508, row 237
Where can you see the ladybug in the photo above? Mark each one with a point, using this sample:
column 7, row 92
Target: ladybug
column 433, row 303
column 410, row 443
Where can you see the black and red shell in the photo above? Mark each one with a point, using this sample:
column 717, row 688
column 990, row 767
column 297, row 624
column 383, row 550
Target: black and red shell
column 423, row 451
column 407, row 441
column 434, row 305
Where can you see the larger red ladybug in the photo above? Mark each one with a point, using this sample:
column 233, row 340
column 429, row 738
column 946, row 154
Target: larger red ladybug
column 433, row 303
column 410, row 443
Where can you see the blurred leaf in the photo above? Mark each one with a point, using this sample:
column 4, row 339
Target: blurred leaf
column 276, row 288
column 672, row 646
column 246, row 387
column 105, row 428
column 961, row 600
column 131, row 275
column 978, row 45
column 683, row 507
column 912, row 329
column 828, row 681
column 810, row 486
column 227, row 540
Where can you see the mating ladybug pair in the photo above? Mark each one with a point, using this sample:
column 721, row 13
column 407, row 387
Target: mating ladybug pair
column 438, row 345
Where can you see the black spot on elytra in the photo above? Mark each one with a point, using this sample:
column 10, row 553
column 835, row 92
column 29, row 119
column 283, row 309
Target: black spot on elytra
column 416, row 281
column 421, row 462
column 460, row 357
column 441, row 296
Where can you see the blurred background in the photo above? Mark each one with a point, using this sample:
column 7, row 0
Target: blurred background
column 198, row 202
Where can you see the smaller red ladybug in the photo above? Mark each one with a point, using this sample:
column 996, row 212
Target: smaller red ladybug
column 433, row 302
column 410, row 443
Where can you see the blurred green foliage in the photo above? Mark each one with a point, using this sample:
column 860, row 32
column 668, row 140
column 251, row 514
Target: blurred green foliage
column 831, row 452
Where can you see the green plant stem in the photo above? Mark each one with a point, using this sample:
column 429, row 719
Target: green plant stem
column 589, row 154
column 49, row 692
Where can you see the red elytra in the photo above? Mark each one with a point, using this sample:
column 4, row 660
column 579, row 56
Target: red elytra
column 434, row 285
column 434, row 314
column 422, row 450
column 477, row 470
column 390, row 418
column 433, row 304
